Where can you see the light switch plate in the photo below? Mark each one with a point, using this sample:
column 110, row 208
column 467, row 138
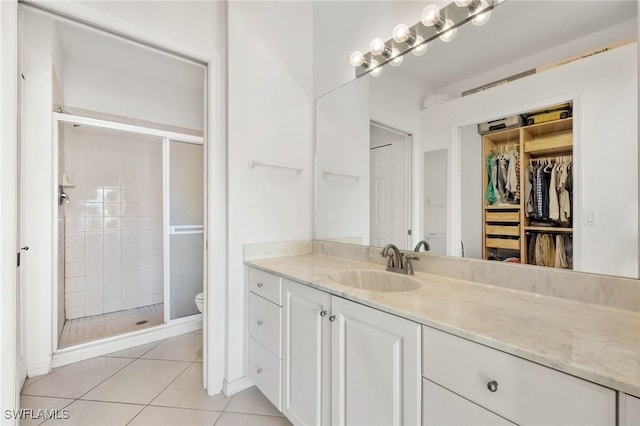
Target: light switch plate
column 591, row 217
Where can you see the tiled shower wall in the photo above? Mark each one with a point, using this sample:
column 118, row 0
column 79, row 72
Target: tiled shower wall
column 113, row 223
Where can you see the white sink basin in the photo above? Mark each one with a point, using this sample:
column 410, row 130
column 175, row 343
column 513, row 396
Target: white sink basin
column 374, row 280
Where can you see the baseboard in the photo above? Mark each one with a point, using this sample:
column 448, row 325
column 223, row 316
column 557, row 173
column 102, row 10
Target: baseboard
column 38, row 369
column 124, row 341
column 232, row 388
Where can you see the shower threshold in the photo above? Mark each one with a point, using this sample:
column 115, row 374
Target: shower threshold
column 85, row 329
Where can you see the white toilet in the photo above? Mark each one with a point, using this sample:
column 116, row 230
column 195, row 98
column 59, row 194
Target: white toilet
column 200, row 301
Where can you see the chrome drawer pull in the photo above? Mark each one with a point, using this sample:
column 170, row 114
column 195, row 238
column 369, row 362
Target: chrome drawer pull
column 259, row 322
column 323, row 313
column 259, row 371
column 332, row 318
column 492, row 386
column 259, row 284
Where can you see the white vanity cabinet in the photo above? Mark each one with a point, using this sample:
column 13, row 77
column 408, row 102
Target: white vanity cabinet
column 512, row 388
column 629, row 410
column 306, row 354
column 264, row 361
column 345, row 363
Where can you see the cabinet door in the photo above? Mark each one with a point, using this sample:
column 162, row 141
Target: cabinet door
column 629, row 410
column 375, row 367
column 306, row 358
column 441, row 407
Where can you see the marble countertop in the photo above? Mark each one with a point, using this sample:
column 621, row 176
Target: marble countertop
column 593, row 342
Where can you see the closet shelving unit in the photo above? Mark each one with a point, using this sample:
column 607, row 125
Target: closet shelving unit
column 506, row 225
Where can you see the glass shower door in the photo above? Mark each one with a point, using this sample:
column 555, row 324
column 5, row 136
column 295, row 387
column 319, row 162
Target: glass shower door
column 185, row 230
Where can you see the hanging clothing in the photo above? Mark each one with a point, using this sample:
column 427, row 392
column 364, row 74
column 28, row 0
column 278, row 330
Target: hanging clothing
column 490, row 193
column 538, row 193
column 528, row 191
column 561, row 255
column 554, row 206
column 513, row 175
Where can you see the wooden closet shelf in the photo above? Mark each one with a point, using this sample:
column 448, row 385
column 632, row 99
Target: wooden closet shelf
column 547, row 229
column 503, row 207
column 561, row 142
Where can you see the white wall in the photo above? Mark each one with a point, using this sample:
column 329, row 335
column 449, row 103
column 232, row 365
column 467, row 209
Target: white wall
column 197, row 29
column 270, row 119
column 342, row 145
column 605, row 127
column 115, row 91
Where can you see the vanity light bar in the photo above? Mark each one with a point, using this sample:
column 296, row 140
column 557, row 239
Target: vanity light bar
column 434, row 23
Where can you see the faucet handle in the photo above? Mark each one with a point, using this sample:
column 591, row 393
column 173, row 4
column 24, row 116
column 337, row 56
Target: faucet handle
column 408, row 265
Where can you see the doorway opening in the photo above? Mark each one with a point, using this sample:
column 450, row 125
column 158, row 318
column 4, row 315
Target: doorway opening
column 130, row 227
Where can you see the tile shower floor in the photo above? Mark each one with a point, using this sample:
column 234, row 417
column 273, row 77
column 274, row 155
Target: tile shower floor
column 98, row 326
column 155, row 384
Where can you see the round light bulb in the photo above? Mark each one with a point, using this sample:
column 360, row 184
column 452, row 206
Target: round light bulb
column 463, row 3
column 401, row 33
column 483, row 17
column 396, row 58
column 374, row 68
column 430, row 15
column 356, row 59
column 377, row 46
column 421, row 46
column 448, row 34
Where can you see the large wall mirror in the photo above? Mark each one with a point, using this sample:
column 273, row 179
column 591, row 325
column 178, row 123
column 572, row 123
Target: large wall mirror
column 399, row 156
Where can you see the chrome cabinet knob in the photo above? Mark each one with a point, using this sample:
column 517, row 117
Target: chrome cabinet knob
column 332, row 318
column 259, row 371
column 259, row 322
column 492, row 386
column 259, row 284
column 323, row 313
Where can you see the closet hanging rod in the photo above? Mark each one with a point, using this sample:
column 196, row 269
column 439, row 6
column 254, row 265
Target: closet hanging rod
column 254, row 163
column 326, row 173
column 505, row 147
column 568, row 157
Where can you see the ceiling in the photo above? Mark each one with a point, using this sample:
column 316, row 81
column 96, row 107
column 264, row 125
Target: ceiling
column 517, row 29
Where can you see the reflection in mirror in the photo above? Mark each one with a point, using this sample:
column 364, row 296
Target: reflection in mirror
column 561, row 52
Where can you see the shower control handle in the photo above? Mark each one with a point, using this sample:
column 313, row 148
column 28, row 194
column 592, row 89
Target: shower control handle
column 25, row 248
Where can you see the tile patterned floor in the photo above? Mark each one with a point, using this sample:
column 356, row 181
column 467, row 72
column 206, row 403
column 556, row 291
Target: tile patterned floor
column 98, row 326
column 156, row 384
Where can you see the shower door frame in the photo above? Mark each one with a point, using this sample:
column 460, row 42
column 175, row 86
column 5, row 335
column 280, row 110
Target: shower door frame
column 167, row 137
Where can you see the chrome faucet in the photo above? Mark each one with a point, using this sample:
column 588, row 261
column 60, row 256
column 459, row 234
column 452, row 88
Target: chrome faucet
column 422, row 243
column 394, row 260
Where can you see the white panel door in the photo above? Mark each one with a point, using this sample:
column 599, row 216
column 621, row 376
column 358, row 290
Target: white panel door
column 307, row 355
column 375, row 368
column 382, row 190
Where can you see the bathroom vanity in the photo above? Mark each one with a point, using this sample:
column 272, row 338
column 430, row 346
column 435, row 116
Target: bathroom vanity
column 443, row 352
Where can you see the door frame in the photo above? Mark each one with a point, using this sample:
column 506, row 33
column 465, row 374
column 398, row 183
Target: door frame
column 408, row 177
column 165, row 137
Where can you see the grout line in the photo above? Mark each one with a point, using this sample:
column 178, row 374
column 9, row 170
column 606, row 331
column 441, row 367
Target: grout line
column 116, row 372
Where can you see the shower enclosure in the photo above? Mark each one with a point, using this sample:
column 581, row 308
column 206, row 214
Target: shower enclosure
column 130, row 227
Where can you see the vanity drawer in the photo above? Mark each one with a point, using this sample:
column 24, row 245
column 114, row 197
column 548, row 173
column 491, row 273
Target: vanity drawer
column 519, row 390
column 266, row 285
column 441, row 407
column 264, row 369
column 265, row 323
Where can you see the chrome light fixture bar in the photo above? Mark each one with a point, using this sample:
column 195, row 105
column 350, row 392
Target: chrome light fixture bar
column 434, row 23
